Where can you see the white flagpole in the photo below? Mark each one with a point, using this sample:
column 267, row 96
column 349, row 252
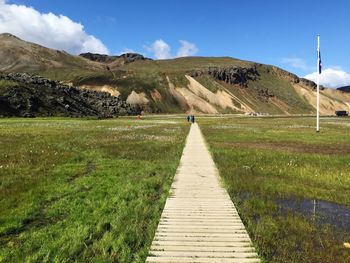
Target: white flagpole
column 318, row 85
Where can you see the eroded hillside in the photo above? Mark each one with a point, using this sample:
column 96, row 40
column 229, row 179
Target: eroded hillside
column 191, row 84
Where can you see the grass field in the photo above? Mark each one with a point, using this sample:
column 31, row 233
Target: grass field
column 84, row 190
column 266, row 162
column 79, row 190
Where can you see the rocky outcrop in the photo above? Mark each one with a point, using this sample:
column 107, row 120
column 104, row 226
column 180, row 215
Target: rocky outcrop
column 98, row 57
column 30, row 96
column 344, row 89
column 264, row 94
column 131, row 57
column 294, row 78
column 285, row 74
column 127, row 57
column 308, row 83
column 231, row 75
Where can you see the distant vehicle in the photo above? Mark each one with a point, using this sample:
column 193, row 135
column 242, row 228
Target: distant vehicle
column 341, row 113
column 256, row 114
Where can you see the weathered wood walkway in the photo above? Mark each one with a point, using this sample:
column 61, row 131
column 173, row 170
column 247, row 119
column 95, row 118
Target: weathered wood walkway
column 199, row 222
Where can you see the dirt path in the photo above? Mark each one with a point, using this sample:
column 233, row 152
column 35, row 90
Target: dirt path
column 199, row 222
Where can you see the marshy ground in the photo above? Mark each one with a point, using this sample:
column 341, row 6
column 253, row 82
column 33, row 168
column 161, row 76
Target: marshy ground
column 93, row 190
column 290, row 185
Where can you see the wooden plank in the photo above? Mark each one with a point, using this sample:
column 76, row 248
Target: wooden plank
column 199, row 222
column 209, row 254
column 200, row 260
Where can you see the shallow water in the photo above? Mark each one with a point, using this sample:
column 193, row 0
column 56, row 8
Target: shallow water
column 321, row 211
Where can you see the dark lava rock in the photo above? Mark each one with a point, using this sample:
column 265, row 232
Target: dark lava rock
column 238, row 76
column 231, row 75
column 127, row 58
column 36, row 96
column 98, row 57
column 344, row 89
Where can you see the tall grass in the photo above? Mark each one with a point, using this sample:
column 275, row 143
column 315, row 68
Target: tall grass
column 84, row 190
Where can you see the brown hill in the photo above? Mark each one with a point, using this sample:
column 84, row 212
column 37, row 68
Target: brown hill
column 190, row 84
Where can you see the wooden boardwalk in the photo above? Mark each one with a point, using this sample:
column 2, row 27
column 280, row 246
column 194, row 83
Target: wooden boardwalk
column 199, row 222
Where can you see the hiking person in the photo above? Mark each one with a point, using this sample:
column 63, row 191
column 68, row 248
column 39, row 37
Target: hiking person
column 192, row 119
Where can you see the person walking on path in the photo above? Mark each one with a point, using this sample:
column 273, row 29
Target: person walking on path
column 192, row 118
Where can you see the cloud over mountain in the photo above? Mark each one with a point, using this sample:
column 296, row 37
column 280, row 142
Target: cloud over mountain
column 187, row 49
column 162, row 50
column 331, row 77
column 54, row 31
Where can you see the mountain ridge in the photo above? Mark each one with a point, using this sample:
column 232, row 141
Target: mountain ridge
column 181, row 85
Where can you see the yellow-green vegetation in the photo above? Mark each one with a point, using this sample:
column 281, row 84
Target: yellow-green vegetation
column 280, row 88
column 148, row 76
column 79, row 190
column 264, row 161
column 185, row 64
column 7, row 84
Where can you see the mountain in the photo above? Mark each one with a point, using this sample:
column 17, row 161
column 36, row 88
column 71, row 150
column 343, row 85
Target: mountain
column 21, row 56
column 189, row 84
column 344, row 89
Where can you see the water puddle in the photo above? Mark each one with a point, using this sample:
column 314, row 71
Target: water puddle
column 321, row 211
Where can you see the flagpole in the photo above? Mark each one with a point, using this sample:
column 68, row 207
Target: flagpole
column 318, row 85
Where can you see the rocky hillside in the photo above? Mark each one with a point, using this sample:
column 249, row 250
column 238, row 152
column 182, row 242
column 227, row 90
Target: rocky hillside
column 191, row 84
column 29, row 96
column 122, row 59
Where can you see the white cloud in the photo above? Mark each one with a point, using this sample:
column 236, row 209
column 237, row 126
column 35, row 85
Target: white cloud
column 161, row 49
column 331, row 77
column 50, row 30
column 297, row 63
column 187, row 49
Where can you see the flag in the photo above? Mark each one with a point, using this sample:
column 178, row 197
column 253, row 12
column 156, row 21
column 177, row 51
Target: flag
column 319, row 69
column 319, row 61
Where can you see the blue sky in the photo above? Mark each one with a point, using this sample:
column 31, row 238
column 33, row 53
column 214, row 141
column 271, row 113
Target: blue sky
column 281, row 33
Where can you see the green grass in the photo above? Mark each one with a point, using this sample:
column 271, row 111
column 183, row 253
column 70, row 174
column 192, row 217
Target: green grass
column 282, row 89
column 185, row 64
column 263, row 160
column 84, row 190
column 7, row 84
column 79, row 190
